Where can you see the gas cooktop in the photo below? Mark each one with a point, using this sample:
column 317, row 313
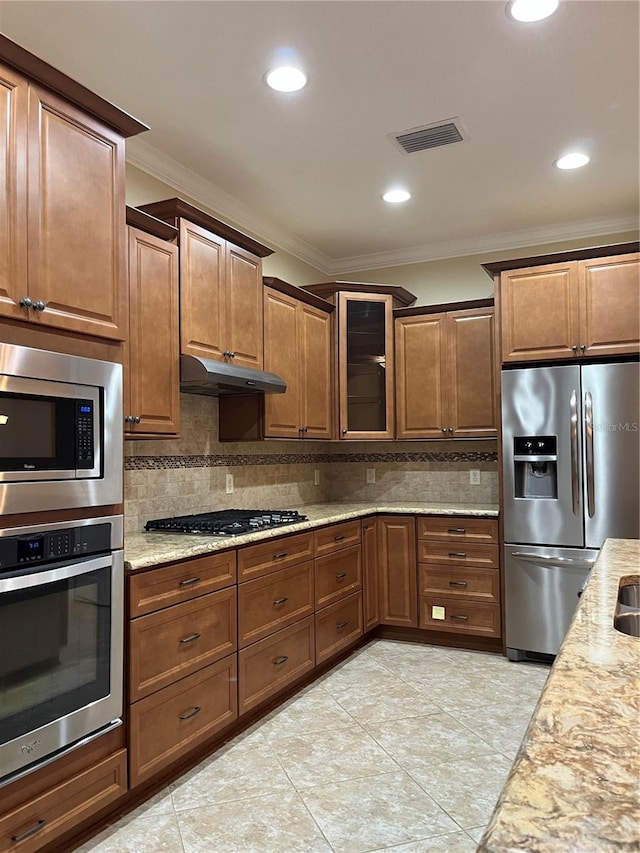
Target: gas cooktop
column 226, row 522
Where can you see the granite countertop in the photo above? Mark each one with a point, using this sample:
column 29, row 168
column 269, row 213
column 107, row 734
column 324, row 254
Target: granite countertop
column 575, row 784
column 142, row 550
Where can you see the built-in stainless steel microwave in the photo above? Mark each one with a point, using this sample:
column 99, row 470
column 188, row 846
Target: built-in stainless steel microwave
column 60, row 431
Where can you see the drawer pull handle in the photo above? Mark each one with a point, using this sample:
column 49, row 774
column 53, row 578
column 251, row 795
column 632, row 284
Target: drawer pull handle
column 189, row 581
column 279, row 601
column 457, row 554
column 338, row 538
column 192, row 713
column 455, row 530
column 341, row 626
column 279, row 555
column 459, row 618
column 282, row 659
column 341, row 576
column 457, row 583
column 191, row 638
column 40, row 824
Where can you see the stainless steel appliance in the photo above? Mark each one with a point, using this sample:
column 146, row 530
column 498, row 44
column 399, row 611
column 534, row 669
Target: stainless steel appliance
column 226, row 522
column 60, row 431
column 61, row 638
column 571, row 457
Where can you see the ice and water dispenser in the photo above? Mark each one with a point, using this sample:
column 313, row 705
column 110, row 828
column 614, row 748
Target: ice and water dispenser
column 535, row 463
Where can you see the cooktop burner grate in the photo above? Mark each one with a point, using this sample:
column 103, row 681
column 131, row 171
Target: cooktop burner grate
column 226, row 522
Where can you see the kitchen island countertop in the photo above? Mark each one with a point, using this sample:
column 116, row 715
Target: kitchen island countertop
column 143, row 550
column 575, row 784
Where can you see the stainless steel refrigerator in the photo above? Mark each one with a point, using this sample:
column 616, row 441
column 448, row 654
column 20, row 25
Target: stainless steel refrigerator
column 571, row 457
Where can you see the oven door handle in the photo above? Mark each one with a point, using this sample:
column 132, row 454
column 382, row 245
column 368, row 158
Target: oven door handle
column 57, row 572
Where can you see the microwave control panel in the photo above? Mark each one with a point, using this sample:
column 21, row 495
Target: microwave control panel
column 28, row 552
column 84, row 434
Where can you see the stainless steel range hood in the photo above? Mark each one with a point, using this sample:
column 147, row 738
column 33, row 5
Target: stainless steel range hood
column 217, row 378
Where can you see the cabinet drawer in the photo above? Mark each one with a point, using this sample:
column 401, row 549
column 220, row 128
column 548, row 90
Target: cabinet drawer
column 171, row 722
column 338, row 626
column 469, row 583
column 458, row 553
column 257, row 560
column 65, row 806
column 266, row 605
column 454, row 528
column 460, row 617
column 269, row 665
column 158, row 588
column 168, row 645
column 330, row 539
column 338, row 575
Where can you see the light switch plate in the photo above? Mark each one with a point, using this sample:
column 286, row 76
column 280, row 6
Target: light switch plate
column 229, row 484
column 371, row 475
column 316, row 476
column 474, row 477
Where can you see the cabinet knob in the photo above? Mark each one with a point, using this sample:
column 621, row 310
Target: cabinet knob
column 450, row 429
column 137, row 419
column 574, row 349
column 39, row 305
column 582, row 347
column 444, row 429
column 129, row 419
column 26, row 302
column 344, row 432
column 232, row 354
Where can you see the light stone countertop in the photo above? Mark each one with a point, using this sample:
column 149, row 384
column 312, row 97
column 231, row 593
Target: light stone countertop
column 575, row 784
column 142, row 550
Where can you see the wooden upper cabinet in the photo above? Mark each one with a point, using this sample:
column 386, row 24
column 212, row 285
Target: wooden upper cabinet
column 297, row 347
column 539, row 312
column 152, row 399
column 220, row 286
column 578, row 307
column 13, row 197
column 421, row 382
column 445, row 385
column 610, row 305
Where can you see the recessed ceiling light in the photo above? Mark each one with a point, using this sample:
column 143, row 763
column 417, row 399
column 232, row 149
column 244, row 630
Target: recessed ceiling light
column 572, row 161
column 528, row 11
column 396, row 196
column 286, row 79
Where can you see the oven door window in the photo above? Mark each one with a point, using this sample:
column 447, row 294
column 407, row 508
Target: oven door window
column 55, row 642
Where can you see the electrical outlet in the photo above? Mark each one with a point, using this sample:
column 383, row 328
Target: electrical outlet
column 474, row 477
column 229, row 484
column 371, row 475
column 316, row 476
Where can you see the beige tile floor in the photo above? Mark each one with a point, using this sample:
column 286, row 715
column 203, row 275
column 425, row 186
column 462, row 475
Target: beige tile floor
column 401, row 747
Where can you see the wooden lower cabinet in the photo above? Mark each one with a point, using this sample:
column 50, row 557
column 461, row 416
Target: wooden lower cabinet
column 257, row 560
column 337, row 575
column 266, row 605
column 270, row 665
column 370, row 597
column 169, row 723
column 398, row 582
column 337, row 536
column 338, row 626
column 172, row 643
column 460, row 617
column 463, row 553
column 469, row 583
column 43, row 819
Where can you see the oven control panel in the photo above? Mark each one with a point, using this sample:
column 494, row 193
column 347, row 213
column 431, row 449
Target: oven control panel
column 29, row 551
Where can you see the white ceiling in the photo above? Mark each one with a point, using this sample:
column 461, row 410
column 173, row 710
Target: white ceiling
column 306, row 170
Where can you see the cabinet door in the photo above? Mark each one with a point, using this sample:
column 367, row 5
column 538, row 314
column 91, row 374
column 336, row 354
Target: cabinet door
column 153, row 374
column 281, row 356
column 315, row 370
column 202, row 292
column 365, row 353
column 76, row 219
column 610, row 305
column 370, row 602
column 13, row 196
column 471, row 380
column 539, row 313
column 244, row 334
column 398, row 578
column 421, row 376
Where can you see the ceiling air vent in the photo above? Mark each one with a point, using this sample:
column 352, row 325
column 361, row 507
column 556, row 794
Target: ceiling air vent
column 430, row 136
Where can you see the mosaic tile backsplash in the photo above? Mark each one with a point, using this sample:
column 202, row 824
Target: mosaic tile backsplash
column 188, row 475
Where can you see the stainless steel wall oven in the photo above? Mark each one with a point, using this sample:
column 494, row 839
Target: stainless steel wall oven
column 60, row 431
column 61, row 638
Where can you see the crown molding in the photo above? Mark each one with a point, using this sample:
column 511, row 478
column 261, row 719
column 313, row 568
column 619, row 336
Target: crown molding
column 144, row 156
column 489, row 243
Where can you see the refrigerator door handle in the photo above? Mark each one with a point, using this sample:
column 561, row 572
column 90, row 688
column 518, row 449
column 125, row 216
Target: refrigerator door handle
column 575, row 485
column 588, row 433
column 537, row 558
